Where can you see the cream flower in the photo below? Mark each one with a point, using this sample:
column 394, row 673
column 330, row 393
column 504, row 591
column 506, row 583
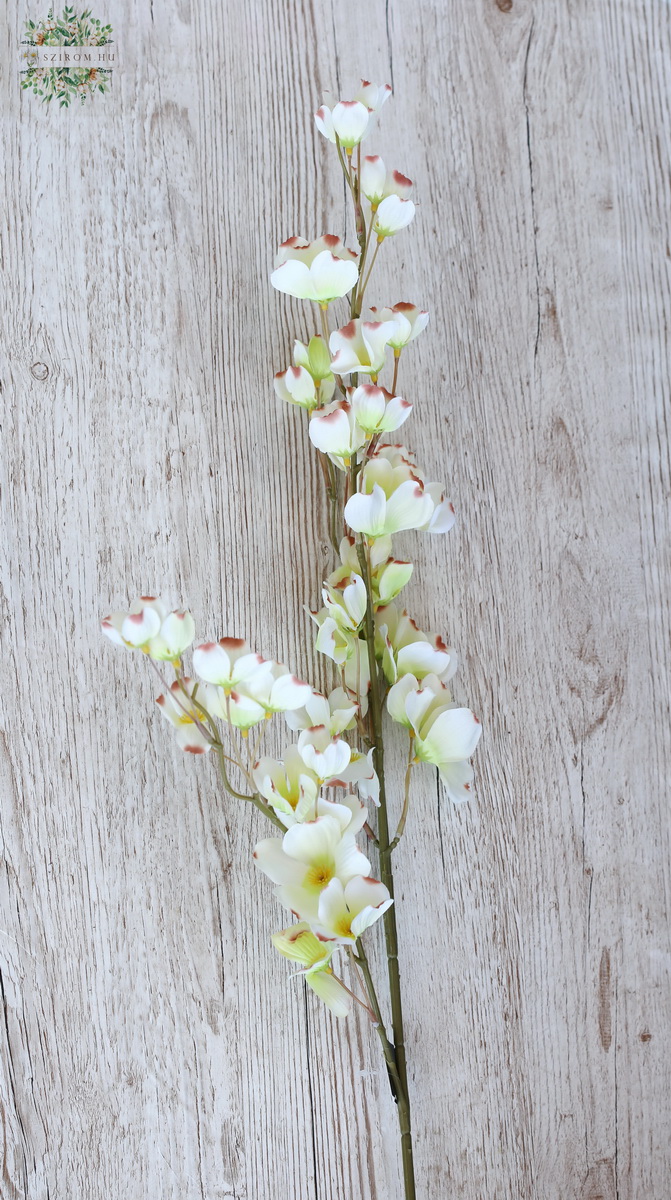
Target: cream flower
column 387, row 501
column 193, row 735
column 344, row 596
column 376, row 410
column 408, row 321
column 277, row 690
column 335, row 714
column 445, row 735
column 389, row 575
column 288, row 785
column 392, row 215
column 296, row 386
column 362, row 773
column 301, row 945
column 150, row 627
column 442, row 515
column 359, row 346
column 348, row 120
column 377, row 182
column 406, row 649
column 345, row 911
column 322, row 270
column 336, row 643
column 306, row 859
column 228, row 663
column 334, row 431
column 373, row 95
column 327, row 757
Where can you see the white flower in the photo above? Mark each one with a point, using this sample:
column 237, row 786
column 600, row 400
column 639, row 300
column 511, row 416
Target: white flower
column 392, row 215
column 445, row 735
column 359, row 346
column 150, row 627
column 376, row 410
column 228, row 663
column 277, row 690
column 306, row 859
column 334, row 431
column 387, row 502
column 348, row 120
column 316, row 359
column 345, row 911
column 296, row 386
column 189, row 722
column 389, row 575
column 443, row 516
column 373, row 95
column 408, row 321
column 288, row 785
column 377, row 183
column 336, row 713
column 301, row 945
column 344, row 596
column 406, row 649
column 322, row 270
column 327, row 757
column 242, row 711
column 360, row 770
column 336, row 643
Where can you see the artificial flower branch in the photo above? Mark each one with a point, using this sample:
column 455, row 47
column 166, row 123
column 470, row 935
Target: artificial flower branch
column 317, row 793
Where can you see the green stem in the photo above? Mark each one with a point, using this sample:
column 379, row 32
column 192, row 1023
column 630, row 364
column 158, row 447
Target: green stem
column 370, row 271
column 406, row 797
column 357, row 297
column 387, row 1048
column 387, row 876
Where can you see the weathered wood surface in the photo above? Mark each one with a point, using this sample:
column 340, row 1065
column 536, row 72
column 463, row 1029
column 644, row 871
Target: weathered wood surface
column 150, row 1043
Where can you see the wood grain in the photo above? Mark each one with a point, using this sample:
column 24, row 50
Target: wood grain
column 151, row 1045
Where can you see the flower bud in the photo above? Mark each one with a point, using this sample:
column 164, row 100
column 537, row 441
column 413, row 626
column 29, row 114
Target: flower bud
column 393, row 215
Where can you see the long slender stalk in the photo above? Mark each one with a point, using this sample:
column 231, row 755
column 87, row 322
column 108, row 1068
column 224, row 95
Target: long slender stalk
column 387, row 876
column 397, row 1089
column 406, row 797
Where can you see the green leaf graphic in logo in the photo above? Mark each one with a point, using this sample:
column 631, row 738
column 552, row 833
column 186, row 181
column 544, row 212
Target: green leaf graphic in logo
column 74, row 81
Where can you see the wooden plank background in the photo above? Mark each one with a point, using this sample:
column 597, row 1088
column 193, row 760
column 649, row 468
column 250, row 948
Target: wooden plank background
column 151, row 1045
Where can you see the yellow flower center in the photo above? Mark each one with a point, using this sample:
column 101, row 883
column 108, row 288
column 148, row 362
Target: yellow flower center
column 318, row 876
column 343, row 926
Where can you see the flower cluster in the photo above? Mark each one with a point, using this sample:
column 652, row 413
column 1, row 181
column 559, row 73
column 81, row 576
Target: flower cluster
column 319, row 792
column 329, row 779
column 371, row 642
column 322, row 875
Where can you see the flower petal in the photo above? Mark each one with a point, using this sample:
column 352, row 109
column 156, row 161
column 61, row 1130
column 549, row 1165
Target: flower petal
column 270, row 858
column 294, row 279
column 453, row 735
column 367, row 513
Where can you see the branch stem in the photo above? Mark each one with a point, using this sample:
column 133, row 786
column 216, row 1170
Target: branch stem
column 406, row 796
column 387, row 876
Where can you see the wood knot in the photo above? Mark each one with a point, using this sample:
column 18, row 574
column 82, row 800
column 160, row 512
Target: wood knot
column 504, row 5
column 39, row 370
